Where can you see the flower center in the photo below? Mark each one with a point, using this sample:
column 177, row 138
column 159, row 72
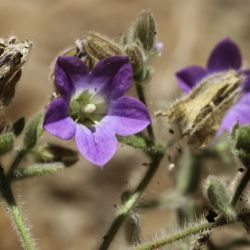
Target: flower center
column 87, row 108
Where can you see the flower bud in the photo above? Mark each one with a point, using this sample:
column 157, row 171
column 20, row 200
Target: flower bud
column 242, row 144
column 217, row 194
column 144, row 29
column 135, row 55
column 99, row 47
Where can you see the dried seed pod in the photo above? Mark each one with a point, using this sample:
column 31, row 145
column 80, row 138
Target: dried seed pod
column 99, row 47
column 13, row 54
column 198, row 115
column 135, row 55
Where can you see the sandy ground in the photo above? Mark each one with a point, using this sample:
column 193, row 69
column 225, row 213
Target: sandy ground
column 71, row 211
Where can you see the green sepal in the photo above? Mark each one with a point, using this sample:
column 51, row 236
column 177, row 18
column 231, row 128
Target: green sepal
column 140, row 142
column 18, row 126
column 33, row 130
column 6, row 142
column 219, row 197
column 135, row 141
column 144, row 74
column 55, row 153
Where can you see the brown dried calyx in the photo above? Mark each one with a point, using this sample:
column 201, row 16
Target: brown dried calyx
column 99, row 46
column 135, row 55
column 13, row 54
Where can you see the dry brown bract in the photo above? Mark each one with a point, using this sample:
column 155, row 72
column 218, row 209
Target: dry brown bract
column 13, row 54
column 198, row 115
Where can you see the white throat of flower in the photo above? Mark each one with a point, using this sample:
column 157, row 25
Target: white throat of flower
column 87, row 107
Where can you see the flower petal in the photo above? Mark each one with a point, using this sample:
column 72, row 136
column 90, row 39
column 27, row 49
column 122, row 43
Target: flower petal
column 189, row 77
column 69, row 71
column 57, row 121
column 115, row 74
column 127, row 116
column 226, row 55
column 238, row 113
column 97, row 146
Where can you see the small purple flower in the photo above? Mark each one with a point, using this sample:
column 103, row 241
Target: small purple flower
column 92, row 106
column 225, row 56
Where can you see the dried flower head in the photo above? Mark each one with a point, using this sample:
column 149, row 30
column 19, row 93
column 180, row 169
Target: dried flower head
column 13, row 54
column 218, row 96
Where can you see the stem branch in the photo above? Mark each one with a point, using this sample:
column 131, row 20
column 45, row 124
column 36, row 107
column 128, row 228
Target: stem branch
column 241, row 186
column 131, row 201
column 17, row 218
column 141, row 96
column 129, row 204
column 236, row 195
column 197, row 229
column 37, row 170
column 19, row 157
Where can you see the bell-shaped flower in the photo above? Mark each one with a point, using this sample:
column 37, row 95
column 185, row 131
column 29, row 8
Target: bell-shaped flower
column 92, row 107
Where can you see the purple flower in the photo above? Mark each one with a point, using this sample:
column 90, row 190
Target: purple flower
column 225, row 56
column 92, row 106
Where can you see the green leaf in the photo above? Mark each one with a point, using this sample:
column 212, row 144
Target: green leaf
column 140, row 142
column 33, row 131
column 18, row 126
column 217, row 194
column 6, row 142
column 56, row 153
column 134, row 141
column 38, row 170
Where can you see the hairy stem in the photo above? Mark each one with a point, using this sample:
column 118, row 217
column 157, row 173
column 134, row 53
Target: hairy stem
column 241, row 186
column 19, row 157
column 16, row 215
column 236, row 195
column 131, row 201
column 141, row 96
column 197, row 229
column 38, row 170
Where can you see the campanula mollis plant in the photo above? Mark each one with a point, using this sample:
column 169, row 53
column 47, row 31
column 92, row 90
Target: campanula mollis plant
column 90, row 105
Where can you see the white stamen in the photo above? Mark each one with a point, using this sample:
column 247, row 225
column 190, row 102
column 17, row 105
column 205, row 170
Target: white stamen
column 90, row 108
column 171, row 166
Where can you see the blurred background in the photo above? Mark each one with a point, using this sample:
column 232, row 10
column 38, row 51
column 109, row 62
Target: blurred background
column 73, row 210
